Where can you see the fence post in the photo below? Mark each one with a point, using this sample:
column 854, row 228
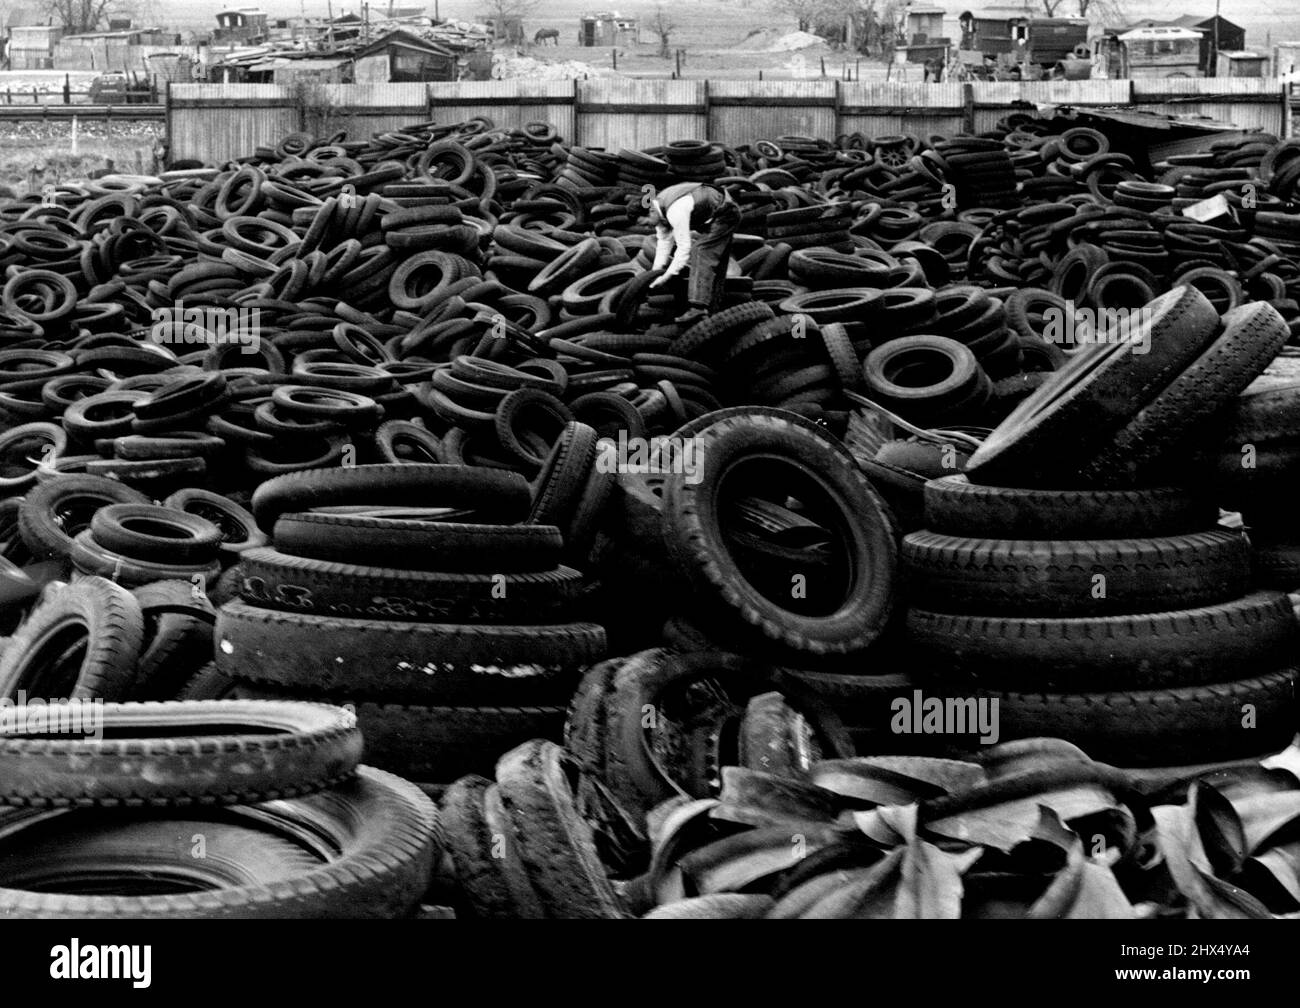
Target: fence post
column 577, row 118
column 968, row 108
column 708, row 111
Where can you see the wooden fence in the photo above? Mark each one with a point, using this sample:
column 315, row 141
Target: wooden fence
column 217, row 122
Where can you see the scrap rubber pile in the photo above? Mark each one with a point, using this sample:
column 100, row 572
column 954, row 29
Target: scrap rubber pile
column 358, row 463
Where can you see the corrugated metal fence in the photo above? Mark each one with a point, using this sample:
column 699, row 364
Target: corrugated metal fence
column 217, row 122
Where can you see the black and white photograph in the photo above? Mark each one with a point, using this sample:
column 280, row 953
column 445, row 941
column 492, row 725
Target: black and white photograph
column 741, row 459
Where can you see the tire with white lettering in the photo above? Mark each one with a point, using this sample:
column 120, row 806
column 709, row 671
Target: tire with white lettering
column 428, row 662
column 182, row 753
column 374, row 849
column 275, row 580
column 1169, row 727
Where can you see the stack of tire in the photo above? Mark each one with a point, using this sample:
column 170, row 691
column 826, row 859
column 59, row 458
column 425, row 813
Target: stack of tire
column 586, row 168
column 695, row 160
column 637, row 169
column 175, row 790
column 981, row 170
column 816, row 226
column 1257, row 464
column 1075, row 574
column 419, row 595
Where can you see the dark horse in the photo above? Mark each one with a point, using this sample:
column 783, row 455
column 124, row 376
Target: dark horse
column 547, row 33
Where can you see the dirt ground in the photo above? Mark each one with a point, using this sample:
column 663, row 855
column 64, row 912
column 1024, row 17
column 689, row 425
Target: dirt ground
column 716, row 37
column 725, row 64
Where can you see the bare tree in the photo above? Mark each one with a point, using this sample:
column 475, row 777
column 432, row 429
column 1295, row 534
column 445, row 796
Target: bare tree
column 509, row 8
column 1050, row 6
column 500, row 13
column 804, row 12
column 1109, row 10
column 662, row 24
column 82, row 15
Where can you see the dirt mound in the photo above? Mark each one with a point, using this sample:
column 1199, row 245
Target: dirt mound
column 506, row 67
column 767, row 40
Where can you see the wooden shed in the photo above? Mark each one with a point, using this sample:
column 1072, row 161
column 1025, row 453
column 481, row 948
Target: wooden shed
column 1241, row 64
column 1038, row 40
column 606, row 29
column 245, row 25
column 1218, row 34
column 31, row 47
column 404, row 57
column 1286, row 58
column 924, row 23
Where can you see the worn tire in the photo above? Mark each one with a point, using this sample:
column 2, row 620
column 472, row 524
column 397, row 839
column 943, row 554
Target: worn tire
column 275, row 580
column 418, row 545
column 1252, row 335
column 493, row 494
column 557, row 849
column 105, row 614
column 377, row 847
column 693, row 532
column 1018, row 577
column 956, row 506
column 1171, row 727
column 1157, row 650
column 432, row 662
column 290, row 749
column 1073, row 414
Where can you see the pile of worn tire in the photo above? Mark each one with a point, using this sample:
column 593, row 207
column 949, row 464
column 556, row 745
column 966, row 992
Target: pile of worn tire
column 790, row 830
column 205, row 809
column 1076, row 571
column 448, row 638
column 398, row 424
